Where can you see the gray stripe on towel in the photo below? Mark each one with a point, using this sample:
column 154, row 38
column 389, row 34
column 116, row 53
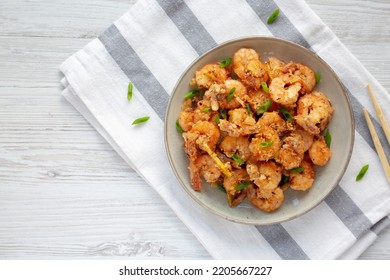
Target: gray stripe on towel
column 381, row 225
column 282, row 242
column 134, row 68
column 283, row 28
column 348, row 212
column 188, row 24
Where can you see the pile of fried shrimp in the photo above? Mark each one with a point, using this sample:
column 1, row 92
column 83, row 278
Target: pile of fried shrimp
column 255, row 128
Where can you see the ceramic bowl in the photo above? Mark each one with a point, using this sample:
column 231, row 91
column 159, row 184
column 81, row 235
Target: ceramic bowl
column 327, row 178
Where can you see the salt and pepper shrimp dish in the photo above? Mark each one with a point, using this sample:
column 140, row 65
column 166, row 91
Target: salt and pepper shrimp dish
column 254, row 128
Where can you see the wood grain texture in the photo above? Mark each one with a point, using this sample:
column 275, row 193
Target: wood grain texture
column 64, row 193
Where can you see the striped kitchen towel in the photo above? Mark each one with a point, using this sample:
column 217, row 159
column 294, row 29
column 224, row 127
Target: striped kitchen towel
column 151, row 45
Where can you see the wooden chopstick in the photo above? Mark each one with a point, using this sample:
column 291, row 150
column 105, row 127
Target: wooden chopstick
column 379, row 112
column 378, row 145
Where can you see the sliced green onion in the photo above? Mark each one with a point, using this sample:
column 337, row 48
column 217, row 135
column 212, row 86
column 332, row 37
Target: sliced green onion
column 226, row 62
column 265, row 87
column 266, row 144
column 141, row 120
column 237, row 159
column 191, row 94
column 178, row 127
column 220, row 140
column 242, row 186
column 230, row 94
column 284, row 179
column 217, row 121
column 328, row 138
column 130, row 91
column 296, row 170
column 221, row 188
column 318, row 77
column 286, row 114
column 248, row 108
column 206, row 109
column 223, row 113
column 273, row 17
column 264, row 108
column 362, row 172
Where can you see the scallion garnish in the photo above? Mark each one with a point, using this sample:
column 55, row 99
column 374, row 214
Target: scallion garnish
column 265, row 87
column 362, row 172
column 237, row 159
column 230, row 94
column 191, row 94
column 242, row 186
column 328, row 138
column 141, row 120
column 178, row 127
column 264, row 108
column 296, row 170
column 226, row 62
column 223, row 113
column 217, row 121
column 130, row 91
column 318, row 77
column 273, row 17
column 284, row 179
column 221, row 188
column 286, row 114
column 248, row 108
column 206, row 109
column 266, row 144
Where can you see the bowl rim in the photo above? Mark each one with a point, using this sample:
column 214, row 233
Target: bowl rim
column 342, row 171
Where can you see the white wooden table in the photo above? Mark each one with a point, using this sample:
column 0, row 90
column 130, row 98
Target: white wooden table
column 64, row 193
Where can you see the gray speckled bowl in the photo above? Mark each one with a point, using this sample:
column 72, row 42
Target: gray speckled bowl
column 296, row 202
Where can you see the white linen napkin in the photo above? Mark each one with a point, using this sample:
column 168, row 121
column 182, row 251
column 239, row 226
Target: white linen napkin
column 151, row 45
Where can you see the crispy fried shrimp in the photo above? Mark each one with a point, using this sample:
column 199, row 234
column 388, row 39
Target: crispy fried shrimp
column 306, row 136
column 210, row 74
column 314, row 112
column 249, row 68
column 304, row 180
column 189, row 117
column 230, row 184
column 265, row 145
column 257, row 98
column 215, row 95
column 284, row 89
column 319, row 151
column 292, row 152
column 205, row 132
column 255, row 73
column 240, row 123
column 273, row 120
column 241, row 59
column 238, row 176
column 305, row 73
column 208, row 168
column 266, row 175
column 269, row 204
column 275, row 67
column 186, row 119
column 239, row 96
column 201, row 133
column 218, row 94
column 238, row 146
